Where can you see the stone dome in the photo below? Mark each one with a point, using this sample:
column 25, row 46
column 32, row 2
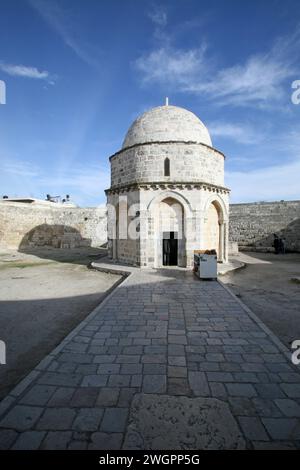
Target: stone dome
column 167, row 123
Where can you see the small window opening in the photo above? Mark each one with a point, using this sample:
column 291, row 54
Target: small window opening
column 167, row 167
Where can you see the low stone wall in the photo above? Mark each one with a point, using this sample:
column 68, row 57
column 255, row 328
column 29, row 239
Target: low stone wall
column 32, row 225
column 252, row 225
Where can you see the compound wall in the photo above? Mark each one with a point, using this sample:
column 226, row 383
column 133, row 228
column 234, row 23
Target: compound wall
column 252, row 225
column 32, row 225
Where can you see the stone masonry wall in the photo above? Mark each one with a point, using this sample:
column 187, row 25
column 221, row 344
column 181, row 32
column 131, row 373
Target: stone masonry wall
column 188, row 163
column 32, row 225
column 252, row 225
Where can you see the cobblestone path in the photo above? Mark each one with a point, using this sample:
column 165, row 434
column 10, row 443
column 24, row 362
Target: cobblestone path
column 159, row 332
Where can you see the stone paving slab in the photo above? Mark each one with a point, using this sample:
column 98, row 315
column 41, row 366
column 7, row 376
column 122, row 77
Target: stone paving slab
column 161, row 332
column 173, row 423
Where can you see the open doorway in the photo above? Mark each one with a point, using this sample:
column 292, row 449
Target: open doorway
column 170, row 249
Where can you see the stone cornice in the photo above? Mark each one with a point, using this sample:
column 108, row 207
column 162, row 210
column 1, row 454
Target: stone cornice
column 161, row 142
column 167, row 186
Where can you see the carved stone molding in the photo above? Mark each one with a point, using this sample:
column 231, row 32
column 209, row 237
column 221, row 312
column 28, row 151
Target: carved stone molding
column 167, row 186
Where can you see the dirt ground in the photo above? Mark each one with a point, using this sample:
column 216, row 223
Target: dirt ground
column 266, row 286
column 42, row 298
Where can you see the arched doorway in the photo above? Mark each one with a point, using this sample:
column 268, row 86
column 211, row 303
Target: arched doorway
column 169, row 231
column 213, row 229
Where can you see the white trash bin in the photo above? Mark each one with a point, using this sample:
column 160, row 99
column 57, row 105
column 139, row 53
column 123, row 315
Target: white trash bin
column 205, row 264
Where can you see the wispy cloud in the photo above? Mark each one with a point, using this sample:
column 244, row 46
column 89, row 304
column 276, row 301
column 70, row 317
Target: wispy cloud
column 85, row 185
column 158, row 15
column 64, row 24
column 18, row 168
column 258, row 80
column 242, row 133
column 265, row 184
column 80, row 181
column 175, row 67
column 263, row 147
column 27, row 72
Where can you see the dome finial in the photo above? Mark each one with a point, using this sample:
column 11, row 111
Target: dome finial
column 167, row 101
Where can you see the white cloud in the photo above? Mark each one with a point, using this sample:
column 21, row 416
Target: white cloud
column 175, row 67
column 242, row 133
column 25, row 71
column 257, row 80
column 85, row 185
column 265, row 184
column 158, row 15
column 62, row 22
column 17, row 168
column 80, row 181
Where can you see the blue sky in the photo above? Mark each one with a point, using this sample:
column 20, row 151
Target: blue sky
column 78, row 72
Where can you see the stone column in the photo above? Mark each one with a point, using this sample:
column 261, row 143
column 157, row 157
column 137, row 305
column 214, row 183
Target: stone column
column 225, row 255
column 221, row 242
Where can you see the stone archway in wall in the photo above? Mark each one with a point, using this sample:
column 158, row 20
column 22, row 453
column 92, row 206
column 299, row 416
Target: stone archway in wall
column 214, row 234
column 168, row 213
column 169, row 228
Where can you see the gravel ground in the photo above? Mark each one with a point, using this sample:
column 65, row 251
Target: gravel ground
column 41, row 300
column 266, row 285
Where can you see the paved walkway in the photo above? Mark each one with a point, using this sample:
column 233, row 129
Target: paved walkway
column 159, row 332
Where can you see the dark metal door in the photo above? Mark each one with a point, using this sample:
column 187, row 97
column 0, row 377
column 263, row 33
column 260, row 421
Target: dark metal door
column 170, row 250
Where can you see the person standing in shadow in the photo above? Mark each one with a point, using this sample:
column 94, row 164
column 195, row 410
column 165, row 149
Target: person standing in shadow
column 276, row 243
column 282, row 246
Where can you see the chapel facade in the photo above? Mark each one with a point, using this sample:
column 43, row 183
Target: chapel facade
column 167, row 196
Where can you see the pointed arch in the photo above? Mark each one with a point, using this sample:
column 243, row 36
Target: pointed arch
column 169, row 211
column 174, row 195
column 219, row 203
column 216, row 226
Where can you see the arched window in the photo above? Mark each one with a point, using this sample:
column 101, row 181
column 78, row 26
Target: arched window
column 167, row 167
